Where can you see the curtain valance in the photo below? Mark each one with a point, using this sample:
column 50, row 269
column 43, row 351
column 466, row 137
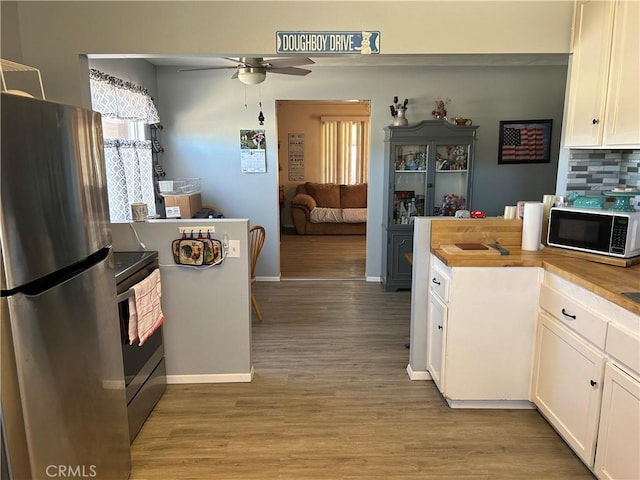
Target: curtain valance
column 117, row 98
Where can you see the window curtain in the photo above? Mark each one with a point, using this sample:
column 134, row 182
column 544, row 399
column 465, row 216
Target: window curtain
column 344, row 150
column 129, row 163
column 117, row 98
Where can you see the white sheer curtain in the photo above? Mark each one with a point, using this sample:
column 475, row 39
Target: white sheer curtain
column 129, row 163
column 345, row 150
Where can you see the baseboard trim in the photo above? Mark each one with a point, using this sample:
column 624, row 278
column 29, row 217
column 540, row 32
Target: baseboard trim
column 281, row 278
column 211, row 378
column 322, row 279
column 418, row 374
column 493, row 404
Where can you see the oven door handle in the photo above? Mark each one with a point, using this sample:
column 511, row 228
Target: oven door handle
column 123, row 296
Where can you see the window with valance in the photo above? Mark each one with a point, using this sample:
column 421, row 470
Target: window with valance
column 126, row 108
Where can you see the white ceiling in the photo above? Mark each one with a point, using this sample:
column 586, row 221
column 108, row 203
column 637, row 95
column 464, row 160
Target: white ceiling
column 182, row 61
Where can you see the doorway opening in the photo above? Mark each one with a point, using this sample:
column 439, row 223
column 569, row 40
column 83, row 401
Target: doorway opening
column 321, row 142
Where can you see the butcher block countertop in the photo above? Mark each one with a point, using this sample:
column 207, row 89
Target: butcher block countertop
column 608, row 281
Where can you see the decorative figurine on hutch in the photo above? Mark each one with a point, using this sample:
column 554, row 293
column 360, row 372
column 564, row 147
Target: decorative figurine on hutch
column 451, row 203
column 440, row 112
column 398, row 112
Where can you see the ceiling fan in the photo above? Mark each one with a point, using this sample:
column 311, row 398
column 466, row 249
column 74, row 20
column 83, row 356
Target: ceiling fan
column 253, row 70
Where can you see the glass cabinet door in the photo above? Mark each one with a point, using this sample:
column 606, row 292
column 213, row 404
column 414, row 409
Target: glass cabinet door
column 451, row 180
column 409, row 183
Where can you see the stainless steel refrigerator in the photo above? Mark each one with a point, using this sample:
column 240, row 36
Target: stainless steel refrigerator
column 63, row 399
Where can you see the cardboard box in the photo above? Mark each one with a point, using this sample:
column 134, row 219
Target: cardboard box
column 187, row 205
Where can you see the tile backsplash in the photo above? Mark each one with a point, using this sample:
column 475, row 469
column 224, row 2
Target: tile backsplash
column 593, row 171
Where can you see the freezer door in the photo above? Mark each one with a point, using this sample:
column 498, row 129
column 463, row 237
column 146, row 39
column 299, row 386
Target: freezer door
column 54, row 206
column 70, row 379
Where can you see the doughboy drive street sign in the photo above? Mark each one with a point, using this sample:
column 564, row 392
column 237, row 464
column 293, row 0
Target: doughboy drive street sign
column 365, row 42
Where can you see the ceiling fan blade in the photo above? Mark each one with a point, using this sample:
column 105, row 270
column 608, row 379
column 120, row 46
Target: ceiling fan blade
column 288, row 61
column 289, row 71
column 196, row 69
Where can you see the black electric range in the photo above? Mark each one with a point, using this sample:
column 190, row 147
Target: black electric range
column 144, row 366
column 127, row 263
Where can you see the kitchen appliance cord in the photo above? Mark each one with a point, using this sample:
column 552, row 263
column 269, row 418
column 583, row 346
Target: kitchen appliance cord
column 144, row 247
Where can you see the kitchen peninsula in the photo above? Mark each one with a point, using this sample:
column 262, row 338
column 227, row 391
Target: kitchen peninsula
column 207, row 328
column 606, row 280
column 532, row 329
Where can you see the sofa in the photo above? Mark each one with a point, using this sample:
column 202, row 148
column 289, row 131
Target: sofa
column 330, row 209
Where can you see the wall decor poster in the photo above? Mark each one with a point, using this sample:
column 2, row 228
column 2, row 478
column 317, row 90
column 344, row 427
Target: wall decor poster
column 253, row 151
column 296, row 157
column 525, row 141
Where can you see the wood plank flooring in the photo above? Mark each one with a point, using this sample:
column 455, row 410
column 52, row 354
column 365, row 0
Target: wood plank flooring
column 322, row 256
column 331, row 399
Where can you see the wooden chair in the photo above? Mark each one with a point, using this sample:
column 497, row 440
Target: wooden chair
column 256, row 241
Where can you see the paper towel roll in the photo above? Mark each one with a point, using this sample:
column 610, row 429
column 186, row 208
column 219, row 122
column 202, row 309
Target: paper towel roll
column 509, row 212
column 532, row 225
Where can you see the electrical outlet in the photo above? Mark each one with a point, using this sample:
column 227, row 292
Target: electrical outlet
column 234, row 249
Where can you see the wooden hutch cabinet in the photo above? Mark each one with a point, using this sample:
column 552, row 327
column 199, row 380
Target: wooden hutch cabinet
column 428, row 167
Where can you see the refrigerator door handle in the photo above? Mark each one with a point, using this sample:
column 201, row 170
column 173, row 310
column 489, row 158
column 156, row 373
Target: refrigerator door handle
column 48, row 282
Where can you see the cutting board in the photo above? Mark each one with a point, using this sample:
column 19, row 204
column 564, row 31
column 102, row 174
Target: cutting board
column 469, row 249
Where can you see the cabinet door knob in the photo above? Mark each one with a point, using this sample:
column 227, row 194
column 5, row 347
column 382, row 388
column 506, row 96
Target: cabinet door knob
column 595, row 121
column 593, row 383
column 573, row 317
column 439, row 327
column 435, row 281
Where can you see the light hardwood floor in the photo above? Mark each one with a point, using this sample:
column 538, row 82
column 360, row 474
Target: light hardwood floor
column 322, row 256
column 331, row 399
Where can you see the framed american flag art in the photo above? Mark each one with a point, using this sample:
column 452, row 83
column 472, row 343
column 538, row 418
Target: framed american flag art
column 525, row 141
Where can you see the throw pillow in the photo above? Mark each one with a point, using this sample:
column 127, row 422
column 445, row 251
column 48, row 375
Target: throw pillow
column 353, row 196
column 326, row 194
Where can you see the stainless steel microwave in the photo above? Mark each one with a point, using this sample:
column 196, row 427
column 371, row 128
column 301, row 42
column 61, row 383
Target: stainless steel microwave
column 605, row 232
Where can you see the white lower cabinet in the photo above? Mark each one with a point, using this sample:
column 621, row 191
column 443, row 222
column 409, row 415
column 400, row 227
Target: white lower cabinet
column 480, row 336
column 566, row 384
column 586, row 376
column 436, row 325
column 618, row 452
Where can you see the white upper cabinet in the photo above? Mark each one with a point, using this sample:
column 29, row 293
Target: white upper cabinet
column 622, row 121
column 603, row 96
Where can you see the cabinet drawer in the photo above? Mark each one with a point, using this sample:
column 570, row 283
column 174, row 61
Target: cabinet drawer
column 624, row 346
column 439, row 283
column 574, row 315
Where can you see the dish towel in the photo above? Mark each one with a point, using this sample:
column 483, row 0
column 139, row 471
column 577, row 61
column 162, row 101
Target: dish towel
column 145, row 312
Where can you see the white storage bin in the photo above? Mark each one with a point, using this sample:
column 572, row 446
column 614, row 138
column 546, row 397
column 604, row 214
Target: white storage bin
column 179, row 186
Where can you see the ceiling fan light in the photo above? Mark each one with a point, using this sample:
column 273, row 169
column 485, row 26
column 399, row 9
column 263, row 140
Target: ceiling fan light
column 251, row 75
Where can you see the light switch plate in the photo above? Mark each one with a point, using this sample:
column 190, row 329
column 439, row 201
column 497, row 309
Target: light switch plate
column 234, row 249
